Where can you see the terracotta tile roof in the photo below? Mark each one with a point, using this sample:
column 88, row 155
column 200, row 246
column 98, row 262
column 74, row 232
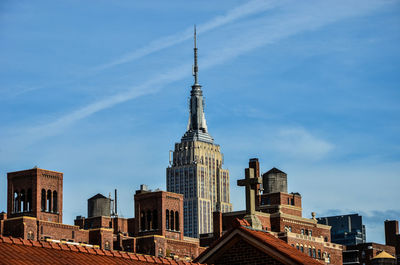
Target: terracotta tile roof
column 280, row 245
column 265, row 238
column 20, row 251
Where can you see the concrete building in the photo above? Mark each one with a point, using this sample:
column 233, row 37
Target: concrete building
column 346, row 229
column 195, row 168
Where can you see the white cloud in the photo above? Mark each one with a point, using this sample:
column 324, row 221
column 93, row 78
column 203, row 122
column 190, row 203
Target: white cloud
column 299, row 143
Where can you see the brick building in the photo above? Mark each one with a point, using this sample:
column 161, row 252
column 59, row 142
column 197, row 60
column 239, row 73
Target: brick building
column 156, row 229
column 243, row 244
column 23, row 251
column 34, row 212
column 392, row 236
column 364, row 253
column 280, row 213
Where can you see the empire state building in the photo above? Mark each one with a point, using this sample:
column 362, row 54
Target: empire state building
column 196, row 168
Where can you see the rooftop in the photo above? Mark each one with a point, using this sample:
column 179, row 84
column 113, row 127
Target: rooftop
column 242, row 228
column 20, row 251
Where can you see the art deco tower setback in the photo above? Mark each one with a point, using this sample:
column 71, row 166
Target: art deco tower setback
column 196, row 168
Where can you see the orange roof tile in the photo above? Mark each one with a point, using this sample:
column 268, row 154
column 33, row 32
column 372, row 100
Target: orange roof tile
column 280, row 246
column 20, row 251
column 265, row 238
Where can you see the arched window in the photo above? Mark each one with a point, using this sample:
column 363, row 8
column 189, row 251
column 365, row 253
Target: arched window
column 22, row 201
column 172, row 224
column 30, row 235
column 107, row 245
column 149, row 224
column 142, row 221
column 319, row 254
column 155, row 219
column 55, row 200
column 177, row 221
column 48, row 203
column 15, row 201
column 29, row 200
column 167, row 219
column 43, row 200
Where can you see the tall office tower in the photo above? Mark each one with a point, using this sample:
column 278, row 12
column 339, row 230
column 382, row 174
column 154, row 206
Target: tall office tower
column 195, row 169
column 346, row 229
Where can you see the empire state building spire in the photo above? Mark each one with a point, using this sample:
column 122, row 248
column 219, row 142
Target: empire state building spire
column 197, row 126
column 195, row 168
column 195, row 67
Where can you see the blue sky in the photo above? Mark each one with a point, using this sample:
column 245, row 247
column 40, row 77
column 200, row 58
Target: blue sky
column 99, row 89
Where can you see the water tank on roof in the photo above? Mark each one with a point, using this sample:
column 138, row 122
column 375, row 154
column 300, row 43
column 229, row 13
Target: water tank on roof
column 99, row 205
column 274, row 180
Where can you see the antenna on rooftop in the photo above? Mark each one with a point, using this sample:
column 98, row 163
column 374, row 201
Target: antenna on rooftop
column 195, row 67
column 115, row 203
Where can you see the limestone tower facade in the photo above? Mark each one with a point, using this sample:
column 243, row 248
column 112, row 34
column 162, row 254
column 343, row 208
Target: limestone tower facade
column 195, row 168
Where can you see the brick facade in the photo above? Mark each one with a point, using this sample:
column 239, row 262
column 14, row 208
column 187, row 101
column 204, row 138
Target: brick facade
column 159, row 213
column 35, row 192
column 365, row 252
column 281, row 214
column 241, row 251
column 34, row 207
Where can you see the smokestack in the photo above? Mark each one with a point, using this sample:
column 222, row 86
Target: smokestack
column 115, row 203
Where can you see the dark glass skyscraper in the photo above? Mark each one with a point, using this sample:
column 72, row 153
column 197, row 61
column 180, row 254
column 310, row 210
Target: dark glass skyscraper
column 346, row 229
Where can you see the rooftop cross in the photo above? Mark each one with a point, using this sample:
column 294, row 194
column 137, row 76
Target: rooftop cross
column 251, row 182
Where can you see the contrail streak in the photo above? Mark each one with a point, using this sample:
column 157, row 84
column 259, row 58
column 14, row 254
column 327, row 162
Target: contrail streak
column 260, row 32
column 250, row 8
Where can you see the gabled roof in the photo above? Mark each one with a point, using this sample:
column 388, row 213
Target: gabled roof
column 383, row 255
column 261, row 240
column 274, row 170
column 21, row 251
column 98, row 196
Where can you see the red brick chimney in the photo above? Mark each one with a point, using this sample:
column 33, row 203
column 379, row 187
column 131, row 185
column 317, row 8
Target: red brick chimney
column 217, row 224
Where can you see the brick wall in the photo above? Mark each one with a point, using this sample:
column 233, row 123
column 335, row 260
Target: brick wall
column 334, row 250
column 102, row 237
column 243, row 253
column 58, row 231
column 35, row 180
column 158, row 202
